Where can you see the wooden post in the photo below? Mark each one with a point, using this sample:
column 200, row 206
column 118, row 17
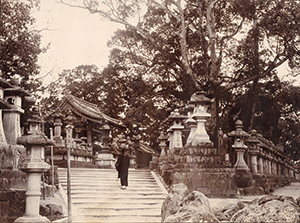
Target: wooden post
column 68, row 147
column 52, row 163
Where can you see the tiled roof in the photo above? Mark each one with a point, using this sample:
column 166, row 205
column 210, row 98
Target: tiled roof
column 145, row 148
column 89, row 110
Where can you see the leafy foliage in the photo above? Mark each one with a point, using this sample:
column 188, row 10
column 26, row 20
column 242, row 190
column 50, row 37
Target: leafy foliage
column 230, row 49
column 20, row 45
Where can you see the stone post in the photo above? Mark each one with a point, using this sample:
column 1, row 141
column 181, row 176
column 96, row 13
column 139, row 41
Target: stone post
column 261, row 165
column 34, row 165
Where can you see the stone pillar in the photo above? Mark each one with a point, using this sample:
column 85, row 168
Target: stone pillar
column 253, row 161
column 34, row 165
column 170, row 131
column 274, row 167
column 270, row 166
column 278, row 169
column 261, row 165
column 265, row 165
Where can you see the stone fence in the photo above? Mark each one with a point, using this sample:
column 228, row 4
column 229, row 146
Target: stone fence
column 241, row 161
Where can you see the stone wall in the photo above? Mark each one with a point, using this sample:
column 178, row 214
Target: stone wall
column 12, row 183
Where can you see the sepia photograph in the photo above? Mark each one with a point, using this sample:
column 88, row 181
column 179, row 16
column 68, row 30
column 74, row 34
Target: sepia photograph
column 150, row 111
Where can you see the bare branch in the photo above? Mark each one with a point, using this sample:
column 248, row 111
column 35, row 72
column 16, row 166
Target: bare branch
column 271, row 67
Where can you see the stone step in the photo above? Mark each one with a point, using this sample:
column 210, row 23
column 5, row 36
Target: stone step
column 116, row 197
column 102, row 181
column 88, row 203
column 127, row 219
column 97, row 196
column 127, row 192
column 127, row 205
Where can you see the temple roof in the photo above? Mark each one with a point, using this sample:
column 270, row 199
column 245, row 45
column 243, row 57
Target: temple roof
column 145, row 148
column 87, row 110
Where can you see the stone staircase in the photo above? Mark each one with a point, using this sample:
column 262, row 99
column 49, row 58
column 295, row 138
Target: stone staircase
column 97, row 197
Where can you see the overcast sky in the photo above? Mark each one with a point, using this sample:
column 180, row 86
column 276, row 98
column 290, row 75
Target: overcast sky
column 76, row 38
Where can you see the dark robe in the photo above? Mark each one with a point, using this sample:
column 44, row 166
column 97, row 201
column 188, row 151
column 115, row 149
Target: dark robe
column 122, row 166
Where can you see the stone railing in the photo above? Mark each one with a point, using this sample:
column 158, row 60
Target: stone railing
column 188, row 156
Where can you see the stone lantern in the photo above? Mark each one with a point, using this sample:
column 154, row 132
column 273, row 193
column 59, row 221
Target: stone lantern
column 11, row 117
column 3, row 105
column 103, row 156
column 162, row 139
column 34, row 165
column 200, row 114
column 239, row 138
column 176, row 129
column 58, row 117
column 252, row 143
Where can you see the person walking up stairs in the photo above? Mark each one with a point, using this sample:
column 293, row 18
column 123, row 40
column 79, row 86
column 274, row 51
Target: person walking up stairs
column 97, row 196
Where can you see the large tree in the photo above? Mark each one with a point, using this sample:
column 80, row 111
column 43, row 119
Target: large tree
column 20, row 42
column 227, row 48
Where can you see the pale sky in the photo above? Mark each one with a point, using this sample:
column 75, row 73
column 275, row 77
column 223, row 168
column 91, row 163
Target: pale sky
column 76, row 38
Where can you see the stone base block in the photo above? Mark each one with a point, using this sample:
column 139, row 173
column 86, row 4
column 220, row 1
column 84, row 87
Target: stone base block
column 213, row 182
column 105, row 160
column 28, row 219
column 242, row 178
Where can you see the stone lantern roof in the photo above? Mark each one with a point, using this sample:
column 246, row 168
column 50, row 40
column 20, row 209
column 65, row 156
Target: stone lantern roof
column 35, row 139
column 15, row 89
column 176, row 116
column 4, row 104
column 253, row 139
column 199, row 98
column 4, row 83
